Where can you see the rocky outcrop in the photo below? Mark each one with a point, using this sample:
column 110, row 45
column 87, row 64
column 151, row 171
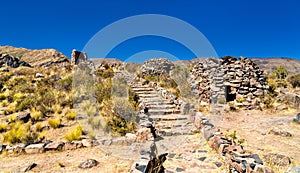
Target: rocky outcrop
column 11, row 61
column 78, row 57
column 156, row 66
column 37, row 58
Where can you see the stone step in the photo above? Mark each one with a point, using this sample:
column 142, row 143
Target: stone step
column 157, row 102
column 171, row 117
column 161, row 106
column 174, row 131
column 142, row 88
column 148, row 95
column 163, row 111
column 171, row 124
column 145, row 92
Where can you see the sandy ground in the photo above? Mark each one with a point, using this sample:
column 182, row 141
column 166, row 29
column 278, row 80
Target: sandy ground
column 49, row 161
column 254, row 126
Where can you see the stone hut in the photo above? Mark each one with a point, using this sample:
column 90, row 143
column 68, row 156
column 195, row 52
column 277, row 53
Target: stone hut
column 229, row 80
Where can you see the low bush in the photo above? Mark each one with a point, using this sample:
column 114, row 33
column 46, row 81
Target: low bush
column 119, row 126
column 75, row 134
column 294, row 80
column 71, row 115
column 54, row 123
column 3, row 127
column 36, row 115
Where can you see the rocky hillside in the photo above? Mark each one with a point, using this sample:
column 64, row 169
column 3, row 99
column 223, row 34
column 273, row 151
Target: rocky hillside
column 269, row 64
column 37, row 58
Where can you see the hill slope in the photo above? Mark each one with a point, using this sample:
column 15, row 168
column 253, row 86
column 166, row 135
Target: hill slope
column 41, row 58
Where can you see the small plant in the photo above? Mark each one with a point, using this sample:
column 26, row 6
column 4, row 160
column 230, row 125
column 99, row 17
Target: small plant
column 11, row 109
column 71, row 115
column 19, row 96
column 36, row 115
column 294, row 80
column 38, row 127
column 3, row 127
column 75, row 134
column 12, row 118
column 54, row 123
column 56, row 108
column 2, row 96
column 4, row 103
column 61, row 164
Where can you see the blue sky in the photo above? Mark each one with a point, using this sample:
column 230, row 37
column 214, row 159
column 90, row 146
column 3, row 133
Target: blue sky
column 253, row 28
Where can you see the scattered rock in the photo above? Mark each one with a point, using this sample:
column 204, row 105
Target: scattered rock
column 39, row 75
column 281, row 107
column 35, row 148
column 28, row 168
column 130, row 137
column 280, row 133
column 218, row 164
column 293, row 169
column 54, row 146
column 88, row 164
column 202, row 158
column 23, row 116
column 277, row 159
column 297, row 118
column 86, row 143
column 180, row 169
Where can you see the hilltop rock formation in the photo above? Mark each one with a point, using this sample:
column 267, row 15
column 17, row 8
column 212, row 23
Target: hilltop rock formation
column 156, row 66
column 37, row 58
column 10, row 61
column 78, row 57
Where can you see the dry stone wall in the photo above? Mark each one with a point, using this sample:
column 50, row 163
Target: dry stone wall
column 229, row 79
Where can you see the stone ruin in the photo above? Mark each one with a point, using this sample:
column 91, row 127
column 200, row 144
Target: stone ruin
column 156, row 66
column 78, row 57
column 229, row 80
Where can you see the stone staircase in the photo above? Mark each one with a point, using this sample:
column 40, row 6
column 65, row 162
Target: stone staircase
column 165, row 115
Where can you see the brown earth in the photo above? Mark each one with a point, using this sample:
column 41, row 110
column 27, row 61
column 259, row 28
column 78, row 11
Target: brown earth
column 254, row 126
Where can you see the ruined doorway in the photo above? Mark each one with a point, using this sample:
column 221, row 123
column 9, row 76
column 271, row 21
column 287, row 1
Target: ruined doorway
column 229, row 96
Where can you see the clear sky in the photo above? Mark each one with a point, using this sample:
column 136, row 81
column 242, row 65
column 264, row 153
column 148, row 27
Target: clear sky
column 251, row 28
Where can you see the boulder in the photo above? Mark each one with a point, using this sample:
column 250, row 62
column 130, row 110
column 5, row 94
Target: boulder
column 88, row 164
column 57, row 146
column 86, row 143
column 28, row 168
column 35, row 148
column 23, row 116
column 277, row 159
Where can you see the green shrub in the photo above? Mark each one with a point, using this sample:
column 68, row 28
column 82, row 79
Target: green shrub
column 36, row 115
column 119, row 126
column 38, row 127
column 71, row 115
column 280, row 72
column 294, row 80
column 2, row 96
column 4, row 103
column 54, row 123
column 3, row 127
column 20, row 133
column 75, row 134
